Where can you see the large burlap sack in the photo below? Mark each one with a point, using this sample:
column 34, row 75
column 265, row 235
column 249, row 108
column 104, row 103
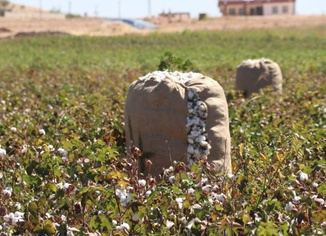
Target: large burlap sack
column 178, row 116
column 254, row 75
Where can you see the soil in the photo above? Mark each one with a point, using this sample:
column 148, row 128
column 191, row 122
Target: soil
column 11, row 27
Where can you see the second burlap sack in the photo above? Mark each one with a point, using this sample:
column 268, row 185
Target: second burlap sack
column 173, row 116
column 254, row 75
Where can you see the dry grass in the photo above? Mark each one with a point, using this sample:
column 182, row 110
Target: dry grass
column 95, row 27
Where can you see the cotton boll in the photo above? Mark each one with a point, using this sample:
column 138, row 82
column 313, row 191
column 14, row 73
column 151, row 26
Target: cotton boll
column 8, row 217
column 319, row 201
column 123, row 226
column 191, row 191
column 190, row 121
column 191, row 111
column 193, row 121
column 197, row 152
column 169, row 224
column 205, row 152
column 190, row 149
column 63, row 218
column 199, row 103
column 190, row 94
column 62, row 152
column 303, row 177
column 7, row 191
column 148, row 193
column 41, row 132
column 202, row 107
column 194, row 133
column 207, row 188
column 190, row 141
column 221, row 197
column 51, row 148
column 202, row 114
column 289, row 206
column 18, row 205
column 315, row 185
column 2, row 152
column 196, row 206
column 200, row 138
column 179, row 201
column 204, row 144
column 142, row 182
column 171, row 179
column 13, row 129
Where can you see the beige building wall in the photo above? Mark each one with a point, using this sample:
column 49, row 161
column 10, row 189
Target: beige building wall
column 236, row 8
column 279, row 9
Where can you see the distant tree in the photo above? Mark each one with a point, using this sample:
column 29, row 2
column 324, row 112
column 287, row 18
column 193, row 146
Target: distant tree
column 4, row 3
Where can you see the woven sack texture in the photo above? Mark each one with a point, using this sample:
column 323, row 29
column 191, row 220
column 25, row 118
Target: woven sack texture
column 156, row 115
column 254, row 75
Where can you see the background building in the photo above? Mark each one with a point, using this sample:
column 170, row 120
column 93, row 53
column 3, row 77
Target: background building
column 256, row 7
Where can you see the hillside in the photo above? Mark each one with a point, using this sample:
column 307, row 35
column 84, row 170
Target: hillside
column 32, row 21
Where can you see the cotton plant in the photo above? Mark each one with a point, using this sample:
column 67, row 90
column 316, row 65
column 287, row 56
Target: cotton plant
column 13, row 218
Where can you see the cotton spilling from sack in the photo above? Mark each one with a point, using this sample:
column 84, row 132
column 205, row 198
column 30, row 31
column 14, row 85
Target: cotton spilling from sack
column 255, row 74
column 175, row 116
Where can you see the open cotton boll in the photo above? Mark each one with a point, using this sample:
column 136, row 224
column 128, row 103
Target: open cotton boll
column 190, row 141
column 253, row 62
column 62, row 152
column 200, row 138
column 190, row 149
column 190, row 95
column 303, row 177
column 176, row 76
column 2, row 152
column 204, row 144
column 142, row 182
column 198, row 144
column 41, row 132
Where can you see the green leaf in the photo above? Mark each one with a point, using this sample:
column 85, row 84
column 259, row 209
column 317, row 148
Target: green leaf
column 176, row 190
column 95, row 222
column 49, row 227
column 67, row 145
column 31, row 166
column 33, row 209
column 106, row 222
column 322, row 189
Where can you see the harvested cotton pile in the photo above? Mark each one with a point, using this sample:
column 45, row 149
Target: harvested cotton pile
column 174, row 116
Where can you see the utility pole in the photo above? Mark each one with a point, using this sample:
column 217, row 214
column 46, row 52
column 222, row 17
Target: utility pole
column 96, row 12
column 119, row 9
column 40, row 8
column 69, row 7
column 149, row 8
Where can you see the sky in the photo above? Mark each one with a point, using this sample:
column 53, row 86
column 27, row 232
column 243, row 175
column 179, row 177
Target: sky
column 143, row 8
